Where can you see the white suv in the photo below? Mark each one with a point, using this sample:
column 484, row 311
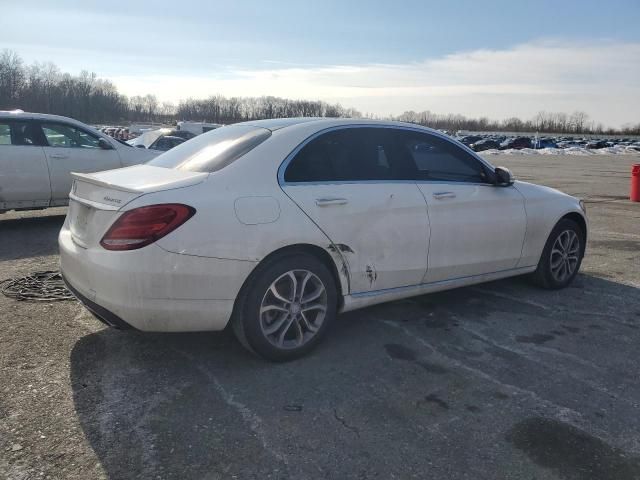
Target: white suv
column 38, row 152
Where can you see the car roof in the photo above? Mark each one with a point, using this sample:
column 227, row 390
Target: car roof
column 278, row 123
column 20, row 115
column 328, row 122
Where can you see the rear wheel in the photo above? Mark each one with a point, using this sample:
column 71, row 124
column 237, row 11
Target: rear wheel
column 561, row 257
column 286, row 307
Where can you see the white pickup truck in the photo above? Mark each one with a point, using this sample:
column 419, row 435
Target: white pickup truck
column 38, row 152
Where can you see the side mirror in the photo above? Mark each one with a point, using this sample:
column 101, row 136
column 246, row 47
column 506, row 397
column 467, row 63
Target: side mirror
column 504, row 177
column 104, row 145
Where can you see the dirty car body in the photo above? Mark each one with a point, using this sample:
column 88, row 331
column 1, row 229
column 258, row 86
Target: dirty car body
column 277, row 225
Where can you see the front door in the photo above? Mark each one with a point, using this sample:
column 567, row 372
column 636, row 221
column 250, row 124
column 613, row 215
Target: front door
column 71, row 149
column 476, row 227
column 344, row 181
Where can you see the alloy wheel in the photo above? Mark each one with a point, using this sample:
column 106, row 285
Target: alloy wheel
column 293, row 309
column 565, row 255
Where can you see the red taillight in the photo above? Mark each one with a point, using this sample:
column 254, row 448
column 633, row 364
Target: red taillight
column 142, row 226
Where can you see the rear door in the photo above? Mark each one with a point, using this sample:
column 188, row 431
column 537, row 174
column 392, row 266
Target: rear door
column 476, row 227
column 24, row 176
column 344, row 181
column 73, row 149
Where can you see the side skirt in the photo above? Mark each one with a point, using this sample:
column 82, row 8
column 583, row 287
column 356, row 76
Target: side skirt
column 366, row 299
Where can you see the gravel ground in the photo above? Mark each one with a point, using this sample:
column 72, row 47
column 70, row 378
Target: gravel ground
column 501, row 380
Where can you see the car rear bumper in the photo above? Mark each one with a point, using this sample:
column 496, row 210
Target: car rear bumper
column 151, row 289
column 105, row 316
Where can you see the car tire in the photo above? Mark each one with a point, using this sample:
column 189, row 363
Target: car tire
column 561, row 257
column 285, row 308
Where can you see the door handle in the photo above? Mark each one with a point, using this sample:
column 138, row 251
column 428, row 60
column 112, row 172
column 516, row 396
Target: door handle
column 325, row 202
column 443, row 195
column 58, row 155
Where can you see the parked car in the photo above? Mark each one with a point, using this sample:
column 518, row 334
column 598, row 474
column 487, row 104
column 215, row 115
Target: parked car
column 546, row 143
column 571, row 144
column 278, row 225
column 470, row 139
column 166, row 142
column 594, row 144
column 150, row 138
column 485, row 144
column 517, row 143
column 38, row 152
column 197, row 128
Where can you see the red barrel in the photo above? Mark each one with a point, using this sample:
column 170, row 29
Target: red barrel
column 634, row 195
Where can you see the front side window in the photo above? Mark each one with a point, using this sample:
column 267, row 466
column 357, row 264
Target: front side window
column 213, row 150
column 435, row 158
column 348, row 154
column 61, row 135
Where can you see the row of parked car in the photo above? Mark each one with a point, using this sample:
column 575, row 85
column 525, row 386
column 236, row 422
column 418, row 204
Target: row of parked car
column 119, row 133
column 482, row 142
column 161, row 139
column 158, row 138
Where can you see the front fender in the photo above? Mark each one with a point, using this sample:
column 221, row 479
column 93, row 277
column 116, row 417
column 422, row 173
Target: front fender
column 545, row 207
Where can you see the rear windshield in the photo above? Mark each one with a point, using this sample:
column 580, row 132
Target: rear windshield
column 213, row 150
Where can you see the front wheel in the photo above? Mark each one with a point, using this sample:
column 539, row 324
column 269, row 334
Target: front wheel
column 561, row 257
column 286, row 307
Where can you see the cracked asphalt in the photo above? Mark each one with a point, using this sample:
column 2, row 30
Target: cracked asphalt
column 501, row 380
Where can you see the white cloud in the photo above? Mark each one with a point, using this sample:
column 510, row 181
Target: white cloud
column 599, row 78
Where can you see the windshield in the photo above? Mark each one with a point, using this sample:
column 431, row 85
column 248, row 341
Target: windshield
column 213, row 150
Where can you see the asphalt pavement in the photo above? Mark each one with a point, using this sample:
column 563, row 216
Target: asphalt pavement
column 497, row 381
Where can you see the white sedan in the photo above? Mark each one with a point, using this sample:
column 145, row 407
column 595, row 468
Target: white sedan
column 38, row 152
column 278, row 225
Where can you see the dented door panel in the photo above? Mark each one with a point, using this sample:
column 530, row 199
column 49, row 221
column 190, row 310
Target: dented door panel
column 380, row 229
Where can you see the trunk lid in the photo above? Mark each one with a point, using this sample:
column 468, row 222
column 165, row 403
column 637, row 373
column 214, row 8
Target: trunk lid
column 96, row 198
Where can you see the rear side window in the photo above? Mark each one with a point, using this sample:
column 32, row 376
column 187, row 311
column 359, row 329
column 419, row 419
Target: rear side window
column 19, row 133
column 213, row 150
column 435, row 158
column 349, row 154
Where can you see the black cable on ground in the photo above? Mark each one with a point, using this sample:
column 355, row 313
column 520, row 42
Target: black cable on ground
column 36, row 287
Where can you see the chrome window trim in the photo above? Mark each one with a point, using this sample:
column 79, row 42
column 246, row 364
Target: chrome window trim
column 285, row 163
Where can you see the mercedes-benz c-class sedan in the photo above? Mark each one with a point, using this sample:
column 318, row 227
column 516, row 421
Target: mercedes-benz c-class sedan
column 276, row 226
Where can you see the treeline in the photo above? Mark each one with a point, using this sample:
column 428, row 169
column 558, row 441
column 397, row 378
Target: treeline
column 44, row 88
column 219, row 109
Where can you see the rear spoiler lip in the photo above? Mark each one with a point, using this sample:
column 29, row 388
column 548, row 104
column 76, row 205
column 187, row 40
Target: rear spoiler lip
column 91, row 179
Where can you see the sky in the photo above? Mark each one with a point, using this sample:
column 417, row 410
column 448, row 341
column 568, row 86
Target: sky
column 495, row 59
